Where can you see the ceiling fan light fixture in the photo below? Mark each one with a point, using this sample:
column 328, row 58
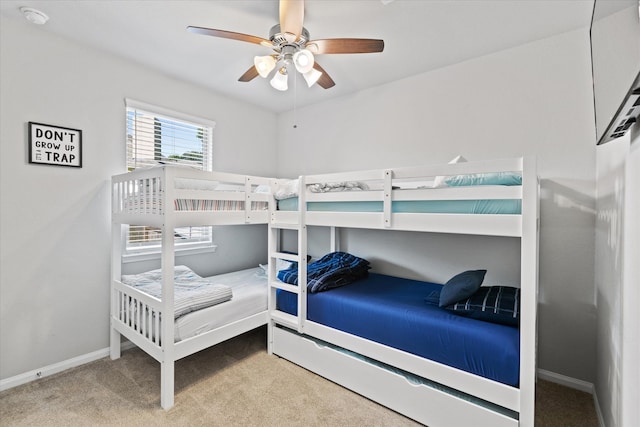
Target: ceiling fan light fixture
column 264, row 65
column 303, row 60
column 279, row 80
column 312, row 76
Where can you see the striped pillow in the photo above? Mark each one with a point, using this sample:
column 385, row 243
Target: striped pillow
column 497, row 304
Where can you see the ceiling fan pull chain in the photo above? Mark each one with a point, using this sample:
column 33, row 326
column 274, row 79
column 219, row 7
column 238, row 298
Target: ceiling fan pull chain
column 295, row 101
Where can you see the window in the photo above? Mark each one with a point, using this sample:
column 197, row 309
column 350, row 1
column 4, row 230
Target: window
column 158, row 136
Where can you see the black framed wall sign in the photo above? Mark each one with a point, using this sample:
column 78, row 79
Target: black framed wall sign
column 55, row 145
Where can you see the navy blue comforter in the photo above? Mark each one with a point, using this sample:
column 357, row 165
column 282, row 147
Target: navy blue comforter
column 331, row 271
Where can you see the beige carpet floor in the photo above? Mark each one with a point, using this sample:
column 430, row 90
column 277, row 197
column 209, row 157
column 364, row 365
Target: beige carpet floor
column 233, row 384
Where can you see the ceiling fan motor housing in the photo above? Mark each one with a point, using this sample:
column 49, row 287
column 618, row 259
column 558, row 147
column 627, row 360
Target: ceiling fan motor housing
column 280, row 39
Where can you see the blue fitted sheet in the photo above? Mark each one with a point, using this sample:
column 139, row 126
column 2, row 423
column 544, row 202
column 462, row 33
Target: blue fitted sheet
column 496, row 206
column 393, row 311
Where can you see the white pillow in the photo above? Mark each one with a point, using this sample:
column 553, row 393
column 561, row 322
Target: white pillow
column 440, row 180
column 286, row 189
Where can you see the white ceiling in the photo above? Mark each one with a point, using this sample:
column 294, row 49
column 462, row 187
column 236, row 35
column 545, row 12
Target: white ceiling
column 419, row 35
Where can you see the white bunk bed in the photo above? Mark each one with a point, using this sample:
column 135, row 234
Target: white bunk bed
column 450, row 397
column 167, row 197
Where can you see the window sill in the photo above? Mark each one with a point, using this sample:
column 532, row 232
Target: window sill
column 155, row 255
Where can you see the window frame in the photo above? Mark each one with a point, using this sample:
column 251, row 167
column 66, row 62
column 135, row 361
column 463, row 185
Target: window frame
column 152, row 251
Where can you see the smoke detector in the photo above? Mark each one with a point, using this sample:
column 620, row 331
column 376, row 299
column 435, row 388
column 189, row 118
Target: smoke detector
column 34, row 16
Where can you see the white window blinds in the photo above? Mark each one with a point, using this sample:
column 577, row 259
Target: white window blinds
column 158, row 136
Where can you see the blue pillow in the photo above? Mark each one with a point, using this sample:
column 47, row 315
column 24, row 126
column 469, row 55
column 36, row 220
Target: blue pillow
column 497, row 304
column 495, row 178
column 461, row 286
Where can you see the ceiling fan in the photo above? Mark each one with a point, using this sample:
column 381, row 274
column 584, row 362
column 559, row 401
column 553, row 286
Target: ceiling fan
column 293, row 48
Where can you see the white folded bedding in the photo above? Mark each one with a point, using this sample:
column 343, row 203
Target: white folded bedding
column 289, row 188
column 191, row 292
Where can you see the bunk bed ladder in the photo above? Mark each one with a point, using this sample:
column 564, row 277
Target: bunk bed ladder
column 275, row 241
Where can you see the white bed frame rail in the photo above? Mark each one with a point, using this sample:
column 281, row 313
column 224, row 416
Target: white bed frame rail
column 151, row 194
column 140, row 312
column 301, row 348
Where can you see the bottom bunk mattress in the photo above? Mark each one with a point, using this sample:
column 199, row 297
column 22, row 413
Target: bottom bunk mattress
column 249, row 289
column 396, row 312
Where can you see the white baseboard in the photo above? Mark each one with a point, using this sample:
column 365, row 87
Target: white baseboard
column 566, row 381
column 49, row 370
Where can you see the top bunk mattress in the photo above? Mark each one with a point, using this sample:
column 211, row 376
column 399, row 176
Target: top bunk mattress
column 393, row 311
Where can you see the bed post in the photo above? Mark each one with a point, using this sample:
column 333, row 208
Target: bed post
column 302, row 254
column 334, row 239
column 272, row 236
column 167, row 263
column 273, row 247
column 386, row 201
column 529, row 286
column 166, row 383
column 116, row 273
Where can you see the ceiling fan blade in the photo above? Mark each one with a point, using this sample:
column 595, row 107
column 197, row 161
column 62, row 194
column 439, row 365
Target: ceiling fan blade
column 249, row 75
column 229, row 35
column 325, row 81
column 325, row 46
column 291, row 18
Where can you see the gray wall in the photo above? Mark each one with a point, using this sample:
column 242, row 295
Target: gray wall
column 630, row 319
column 54, row 225
column 616, row 60
column 535, row 99
column 617, row 275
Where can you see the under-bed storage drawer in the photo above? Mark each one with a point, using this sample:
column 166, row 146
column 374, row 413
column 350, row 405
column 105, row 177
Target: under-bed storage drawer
column 430, row 406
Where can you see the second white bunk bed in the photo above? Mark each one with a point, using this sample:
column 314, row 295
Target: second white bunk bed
column 444, row 395
column 166, row 198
